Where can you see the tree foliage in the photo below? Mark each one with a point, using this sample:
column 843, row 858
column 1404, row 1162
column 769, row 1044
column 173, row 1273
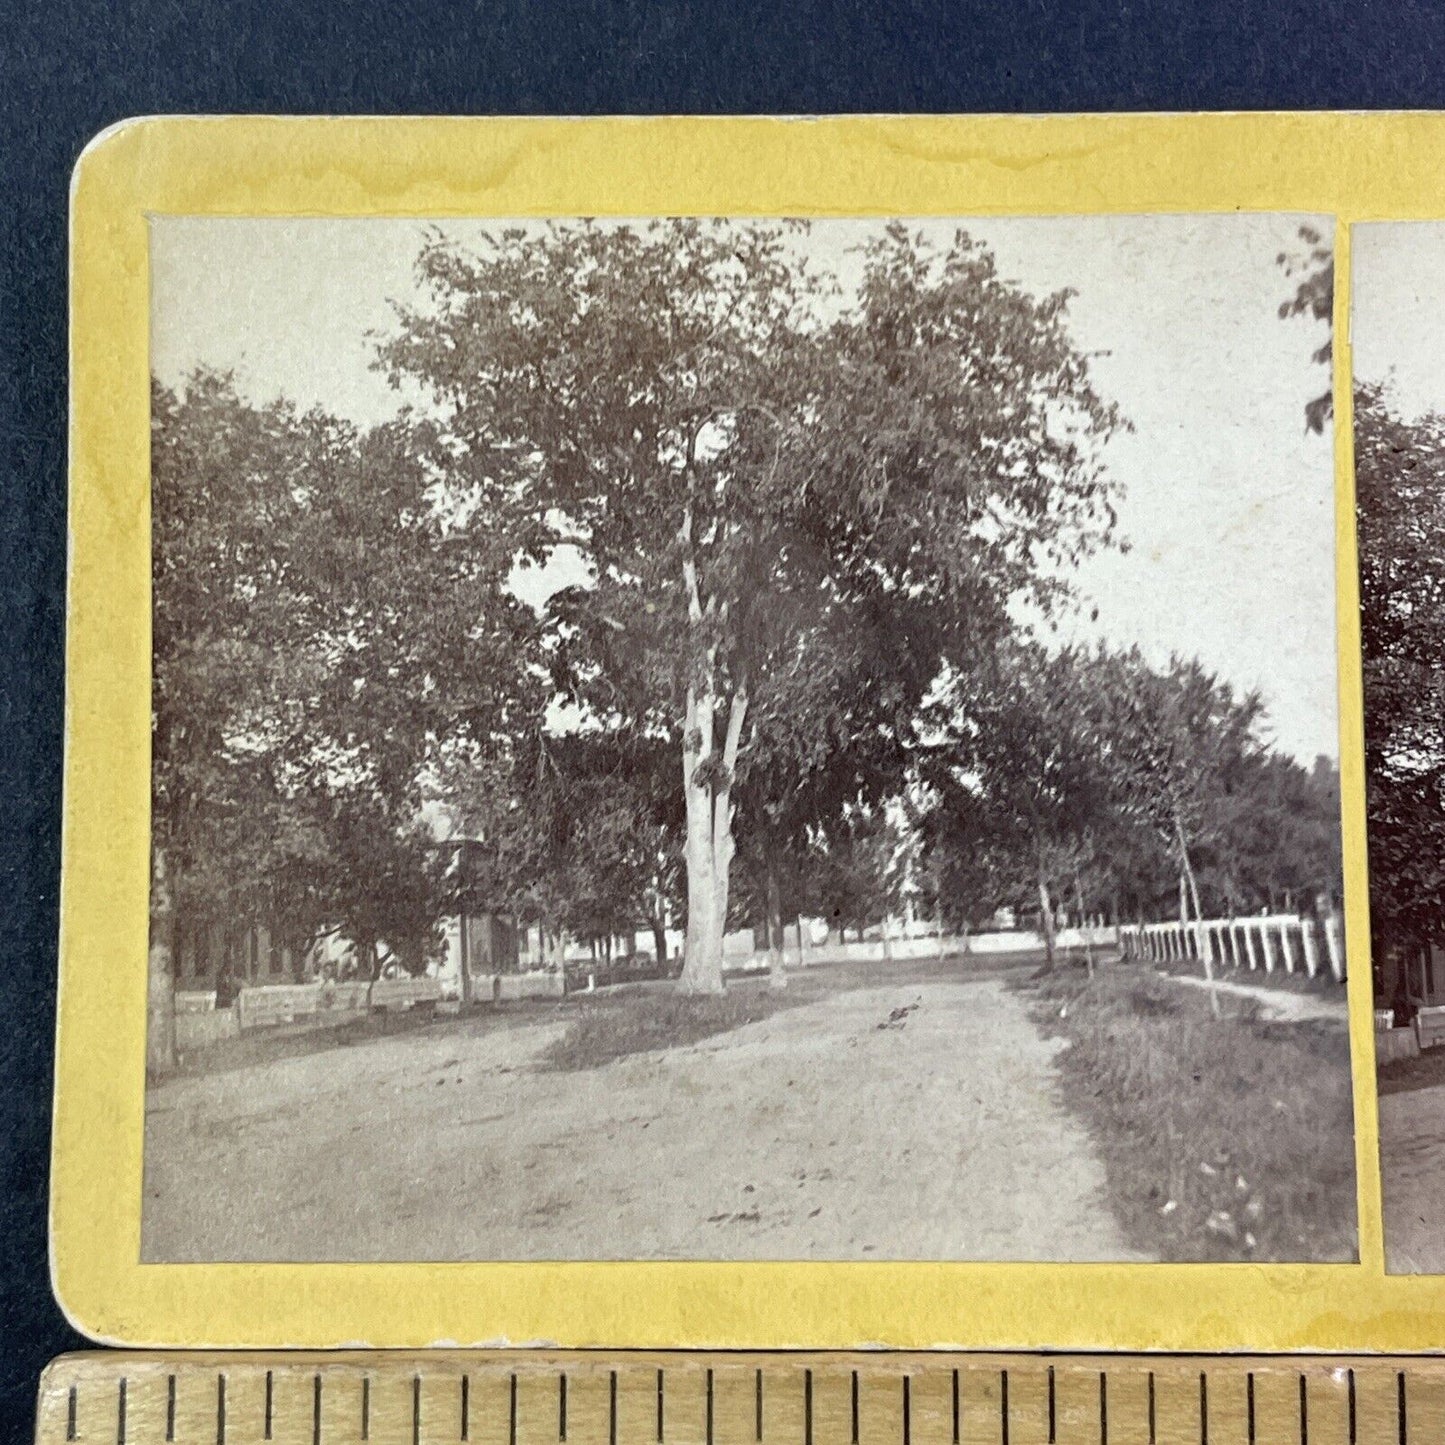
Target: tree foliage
column 318, row 630
column 1400, row 497
column 1313, row 262
column 579, row 833
column 786, row 673
column 1093, row 780
column 761, row 475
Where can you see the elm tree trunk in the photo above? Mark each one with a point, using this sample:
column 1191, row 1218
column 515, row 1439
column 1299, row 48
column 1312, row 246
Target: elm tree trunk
column 702, row 953
column 1046, row 918
column 707, row 790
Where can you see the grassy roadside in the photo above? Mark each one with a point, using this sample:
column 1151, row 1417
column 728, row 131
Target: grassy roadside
column 615, row 1027
column 270, row 1046
column 1222, row 1139
column 1322, row 985
column 1403, row 1076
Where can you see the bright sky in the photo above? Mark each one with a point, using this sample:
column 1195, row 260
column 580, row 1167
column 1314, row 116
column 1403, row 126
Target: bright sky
column 1397, row 318
column 1229, row 501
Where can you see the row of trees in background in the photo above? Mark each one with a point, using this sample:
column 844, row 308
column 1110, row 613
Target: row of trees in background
column 785, row 675
column 1093, row 780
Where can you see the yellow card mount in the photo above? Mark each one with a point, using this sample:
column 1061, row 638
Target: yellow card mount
column 726, row 1398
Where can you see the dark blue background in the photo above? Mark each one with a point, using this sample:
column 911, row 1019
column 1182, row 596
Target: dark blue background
column 68, row 69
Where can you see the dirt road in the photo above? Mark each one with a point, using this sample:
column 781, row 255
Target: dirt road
column 824, row 1131
column 1412, row 1159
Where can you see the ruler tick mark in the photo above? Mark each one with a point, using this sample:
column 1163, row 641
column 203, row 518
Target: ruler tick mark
column 283, row 1415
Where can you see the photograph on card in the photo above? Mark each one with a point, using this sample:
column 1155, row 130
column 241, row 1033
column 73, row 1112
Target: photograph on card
column 738, row 739
column 1397, row 318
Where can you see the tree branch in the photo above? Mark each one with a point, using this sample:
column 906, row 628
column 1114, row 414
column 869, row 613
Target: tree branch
column 689, row 566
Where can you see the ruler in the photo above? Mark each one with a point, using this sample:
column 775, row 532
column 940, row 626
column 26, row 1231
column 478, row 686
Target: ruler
column 535, row 1397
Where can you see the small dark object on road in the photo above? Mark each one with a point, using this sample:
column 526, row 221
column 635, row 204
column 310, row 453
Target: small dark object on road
column 897, row 1017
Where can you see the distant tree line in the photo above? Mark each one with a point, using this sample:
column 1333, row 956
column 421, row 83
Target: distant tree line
column 1091, row 782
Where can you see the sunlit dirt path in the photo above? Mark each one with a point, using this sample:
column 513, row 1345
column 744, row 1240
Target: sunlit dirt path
column 1412, row 1166
column 904, row 1120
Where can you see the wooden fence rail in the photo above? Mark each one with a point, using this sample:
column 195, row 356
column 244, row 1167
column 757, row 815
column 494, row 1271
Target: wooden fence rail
column 1261, row 942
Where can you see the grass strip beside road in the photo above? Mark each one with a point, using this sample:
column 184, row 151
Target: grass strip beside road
column 1222, row 1139
column 1404, row 1076
column 618, row 1026
column 1322, row 985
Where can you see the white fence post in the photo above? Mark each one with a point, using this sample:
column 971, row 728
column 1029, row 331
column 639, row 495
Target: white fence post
column 1285, row 949
column 1310, row 945
column 1249, row 942
column 1334, row 943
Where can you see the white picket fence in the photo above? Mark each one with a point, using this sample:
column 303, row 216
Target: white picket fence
column 1259, row 943
column 199, row 1023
